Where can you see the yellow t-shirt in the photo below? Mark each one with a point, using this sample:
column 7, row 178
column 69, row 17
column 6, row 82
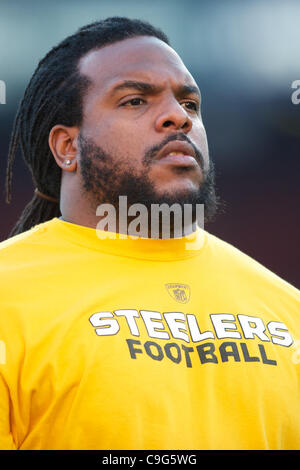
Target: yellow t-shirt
column 122, row 343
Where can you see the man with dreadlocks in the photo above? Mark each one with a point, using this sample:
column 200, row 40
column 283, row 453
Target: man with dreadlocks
column 113, row 341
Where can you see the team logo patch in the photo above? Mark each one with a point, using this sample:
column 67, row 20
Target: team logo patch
column 179, row 292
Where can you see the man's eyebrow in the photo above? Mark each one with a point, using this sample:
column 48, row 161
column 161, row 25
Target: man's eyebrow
column 136, row 85
column 144, row 87
column 184, row 90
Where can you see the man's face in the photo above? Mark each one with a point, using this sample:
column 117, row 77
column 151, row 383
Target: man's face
column 142, row 134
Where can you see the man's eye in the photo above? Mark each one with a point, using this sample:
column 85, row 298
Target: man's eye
column 134, row 102
column 191, row 105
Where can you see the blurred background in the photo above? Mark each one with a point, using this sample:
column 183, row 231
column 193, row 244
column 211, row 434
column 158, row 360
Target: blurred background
column 244, row 56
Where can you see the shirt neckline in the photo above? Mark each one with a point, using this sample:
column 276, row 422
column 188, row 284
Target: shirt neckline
column 134, row 247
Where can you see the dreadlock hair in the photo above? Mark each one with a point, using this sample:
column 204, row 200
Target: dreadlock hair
column 54, row 96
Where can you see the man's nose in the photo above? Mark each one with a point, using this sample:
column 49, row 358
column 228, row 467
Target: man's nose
column 173, row 117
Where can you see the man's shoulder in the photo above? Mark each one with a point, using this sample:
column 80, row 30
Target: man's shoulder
column 237, row 264
column 24, row 246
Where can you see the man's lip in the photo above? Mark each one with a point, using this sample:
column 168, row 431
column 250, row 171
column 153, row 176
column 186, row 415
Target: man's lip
column 176, row 146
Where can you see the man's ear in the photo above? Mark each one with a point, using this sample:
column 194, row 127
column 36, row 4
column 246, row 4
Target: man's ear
column 63, row 144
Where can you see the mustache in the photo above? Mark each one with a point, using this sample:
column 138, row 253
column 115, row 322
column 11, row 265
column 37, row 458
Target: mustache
column 152, row 152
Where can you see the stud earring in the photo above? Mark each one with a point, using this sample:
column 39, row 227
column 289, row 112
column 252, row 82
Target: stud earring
column 68, row 161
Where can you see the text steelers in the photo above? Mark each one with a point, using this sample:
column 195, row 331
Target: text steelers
column 178, row 325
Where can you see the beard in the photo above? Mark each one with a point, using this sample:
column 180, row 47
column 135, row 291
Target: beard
column 105, row 178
